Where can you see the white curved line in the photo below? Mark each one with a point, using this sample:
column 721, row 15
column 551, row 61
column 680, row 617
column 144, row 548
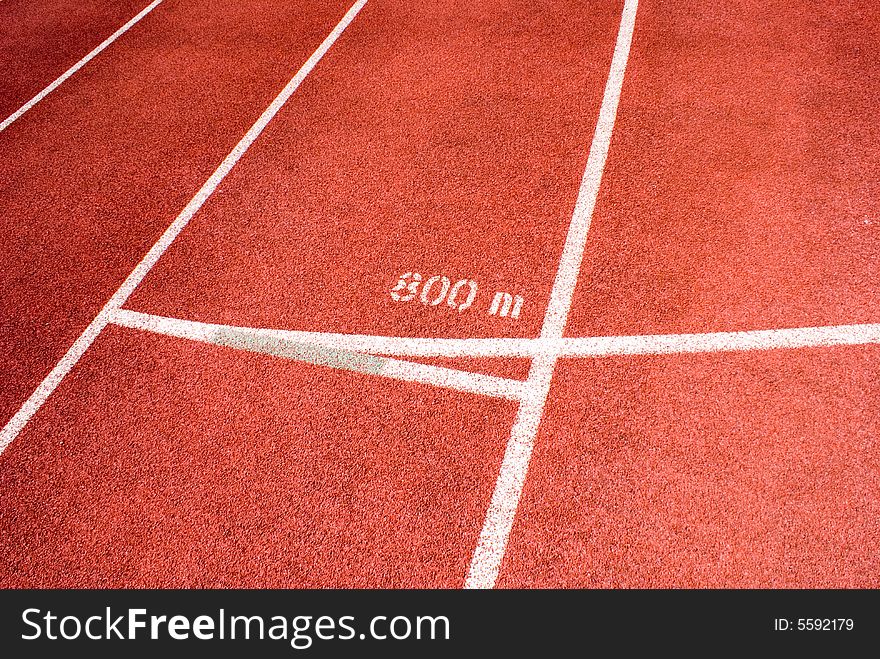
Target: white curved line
column 596, row 346
column 397, row 346
column 317, row 348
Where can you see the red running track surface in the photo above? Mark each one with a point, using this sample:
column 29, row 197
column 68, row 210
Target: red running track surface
column 228, row 469
column 742, row 188
column 740, row 193
column 41, row 39
column 751, row 470
column 441, row 138
column 92, row 175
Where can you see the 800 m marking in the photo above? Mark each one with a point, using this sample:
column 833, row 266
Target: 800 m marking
column 460, row 296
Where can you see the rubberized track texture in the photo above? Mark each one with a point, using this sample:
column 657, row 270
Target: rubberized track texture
column 447, row 294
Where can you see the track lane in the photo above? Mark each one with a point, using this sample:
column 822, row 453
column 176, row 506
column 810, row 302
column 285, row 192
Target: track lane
column 161, row 462
column 835, row 417
column 41, row 39
column 739, row 195
column 319, row 413
column 726, row 470
column 443, row 139
column 741, row 192
column 93, row 174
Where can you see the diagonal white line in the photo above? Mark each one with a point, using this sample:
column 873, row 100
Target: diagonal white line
column 72, row 356
column 438, row 376
column 315, row 348
column 76, row 67
column 486, row 561
column 576, row 239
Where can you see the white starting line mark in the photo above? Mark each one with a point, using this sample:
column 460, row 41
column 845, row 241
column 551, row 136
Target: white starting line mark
column 345, row 350
column 76, row 67
column 73, row 354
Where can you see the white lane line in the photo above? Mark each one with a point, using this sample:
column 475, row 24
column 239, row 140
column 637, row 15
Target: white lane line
column 76, row 67
column 69, row 360
column 474, row 383
column 573, row 252
column 486, row 561
column 596, row 346
column 302, row 346
column 799, row 337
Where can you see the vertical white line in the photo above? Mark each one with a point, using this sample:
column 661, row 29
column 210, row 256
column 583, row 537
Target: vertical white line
column 486, row 561
column 76, row 67
column 573, row 252
column 69, row 360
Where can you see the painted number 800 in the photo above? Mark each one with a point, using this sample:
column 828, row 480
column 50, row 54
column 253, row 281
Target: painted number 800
column 458, row 296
